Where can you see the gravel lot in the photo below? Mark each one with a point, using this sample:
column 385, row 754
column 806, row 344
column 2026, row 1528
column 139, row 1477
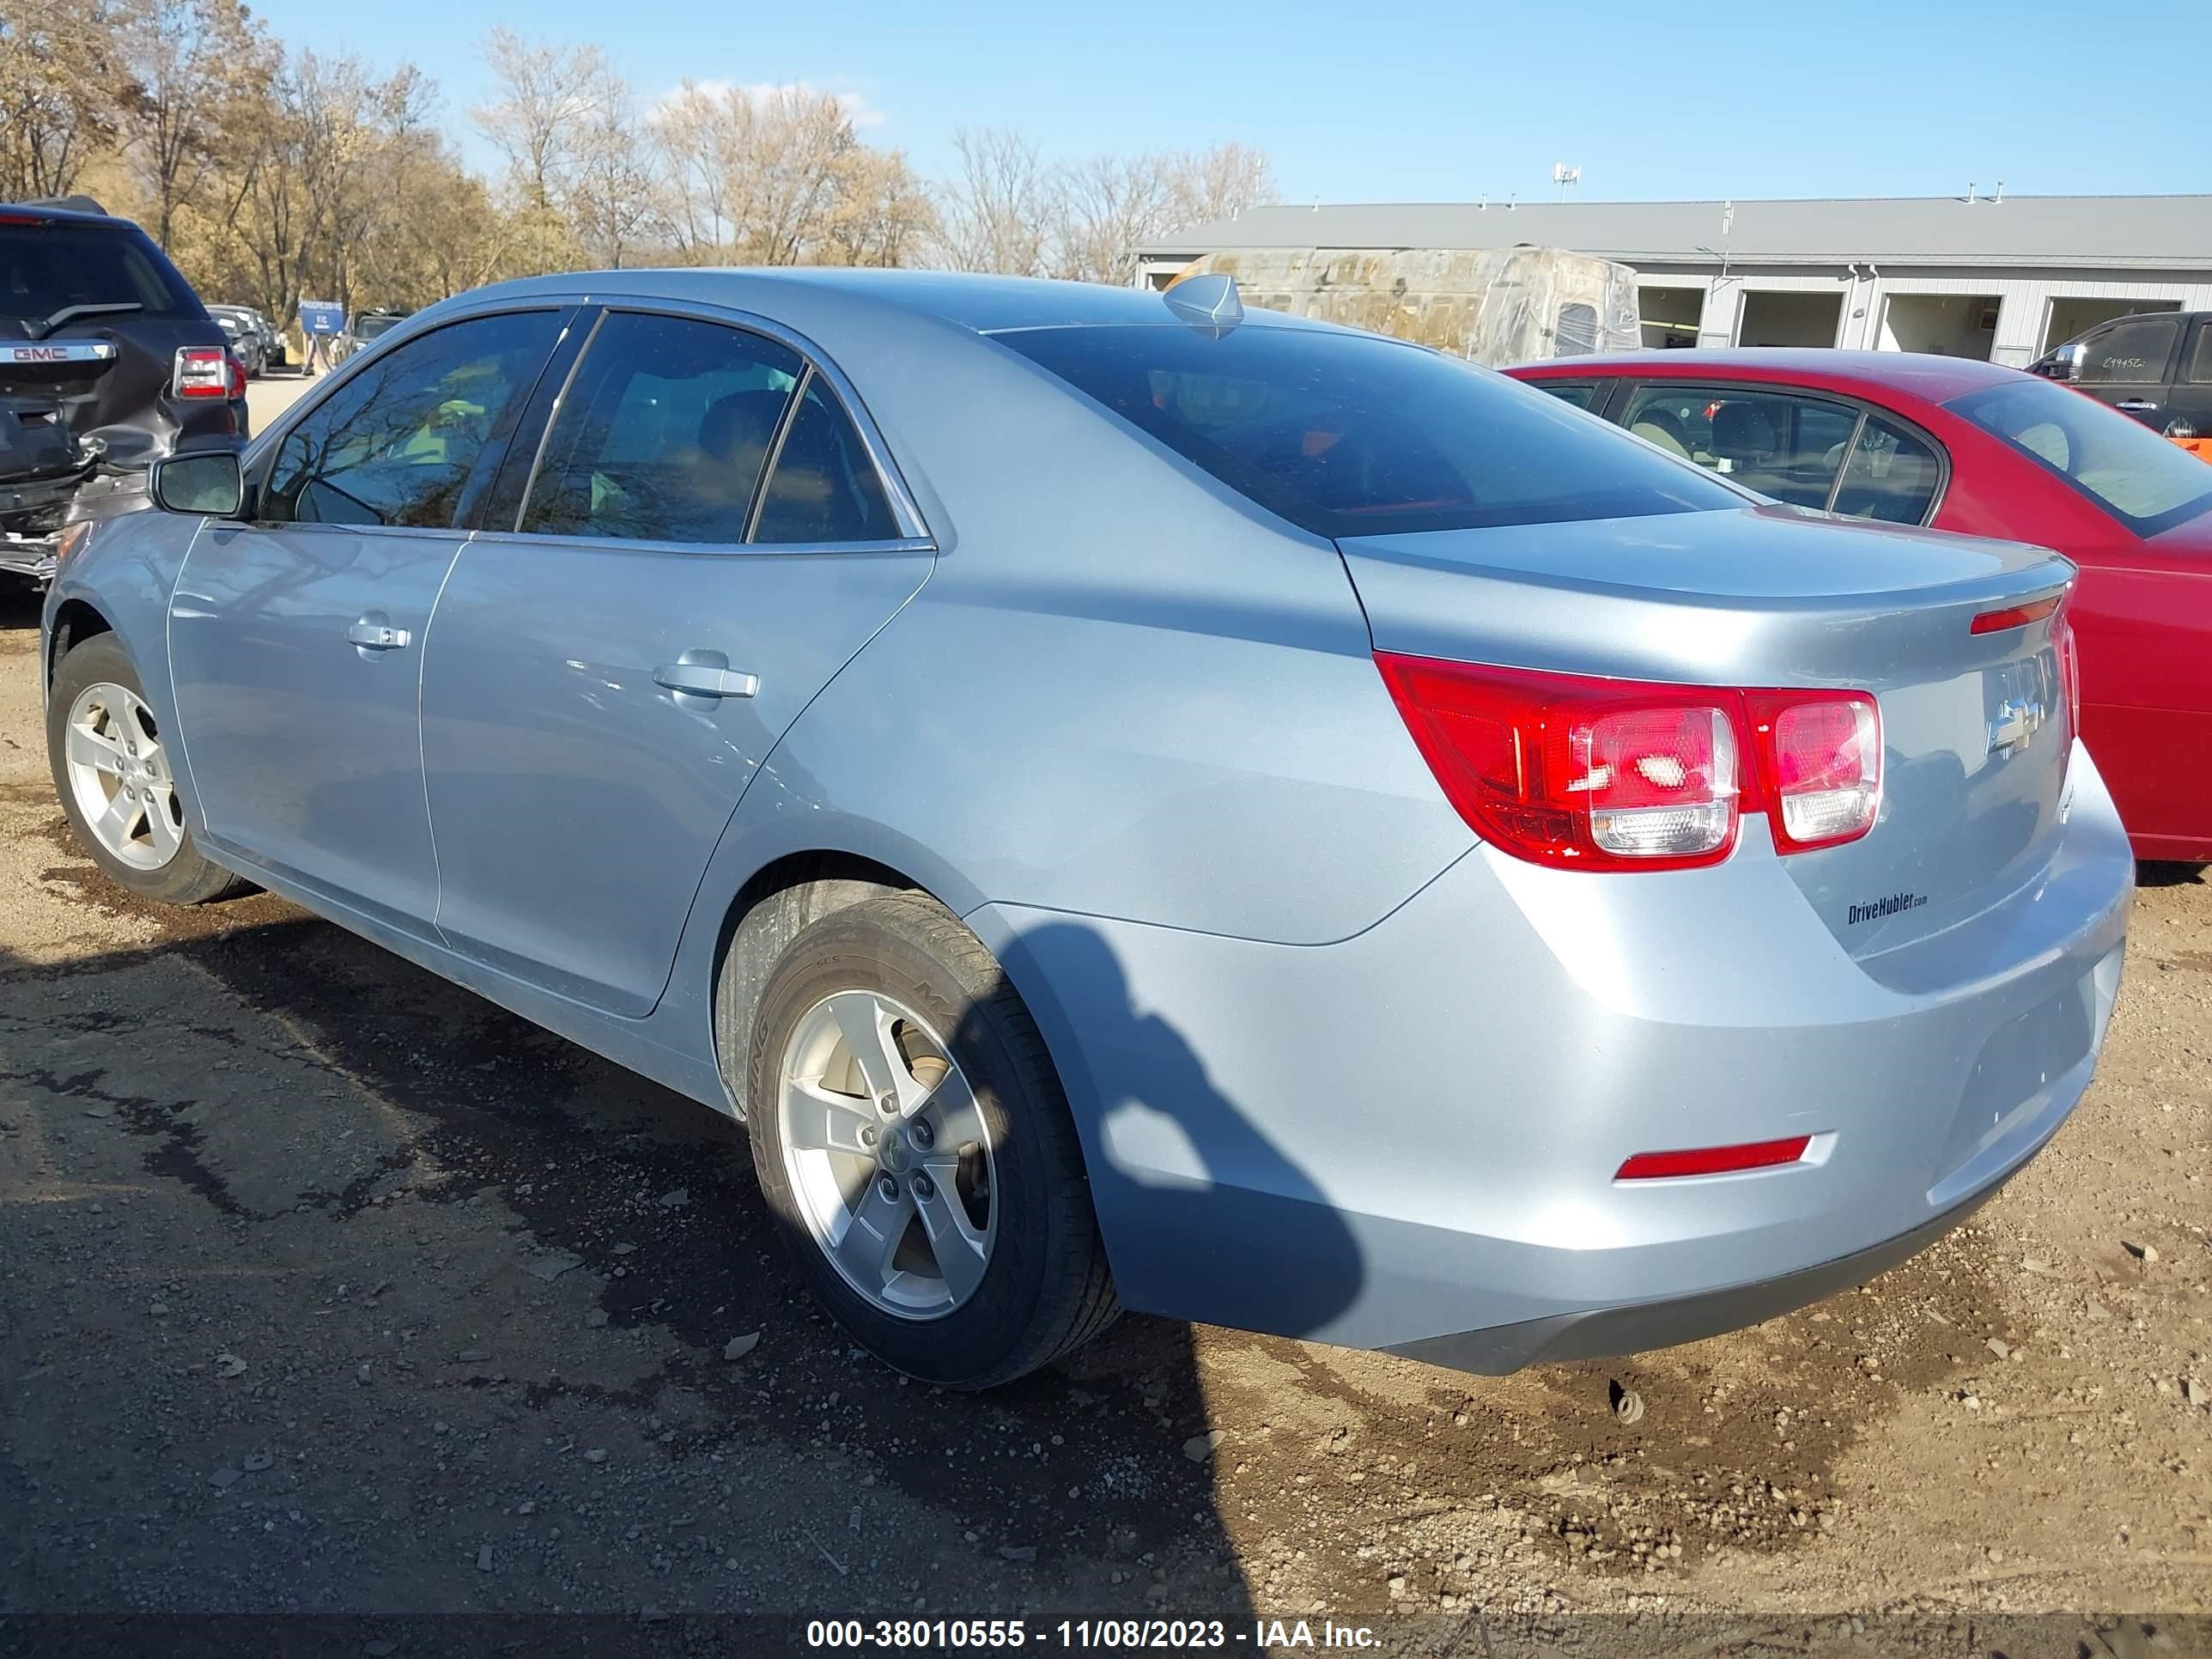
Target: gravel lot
column 330, row 1287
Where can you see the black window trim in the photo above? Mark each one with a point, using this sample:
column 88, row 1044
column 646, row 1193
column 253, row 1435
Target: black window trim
column 916, row 537
column 259, row 458
column 1616, row 405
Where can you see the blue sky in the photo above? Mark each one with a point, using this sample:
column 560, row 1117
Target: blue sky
column 1423, row 99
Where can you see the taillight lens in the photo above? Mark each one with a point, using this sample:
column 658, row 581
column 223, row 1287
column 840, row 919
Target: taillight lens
column 204, row 371
column 2070, row 672
column 237, row 376
column 1825, row 765
column 1598, row 773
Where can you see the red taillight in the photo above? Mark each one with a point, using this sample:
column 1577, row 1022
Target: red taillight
column 1714, row 1160
column 204, row 371
column 1596, row 774
column 1824, row 761
column 237, row 376
column 2069, row 673
column 2012, row 616
column 1561, row 769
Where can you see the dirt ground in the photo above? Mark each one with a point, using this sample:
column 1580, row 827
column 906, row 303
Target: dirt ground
column 329, row 1288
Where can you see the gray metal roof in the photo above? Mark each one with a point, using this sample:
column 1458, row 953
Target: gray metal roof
column 2137, row 231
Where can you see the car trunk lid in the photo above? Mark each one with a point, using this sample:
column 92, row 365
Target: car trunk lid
column 1975, row 729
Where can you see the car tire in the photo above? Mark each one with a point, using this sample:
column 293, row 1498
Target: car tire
column 962, row 1038
column 119, row 756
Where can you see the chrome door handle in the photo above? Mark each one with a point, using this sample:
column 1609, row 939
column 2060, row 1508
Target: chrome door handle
column 706, row 674
column 2135, row 405
column 373, row 631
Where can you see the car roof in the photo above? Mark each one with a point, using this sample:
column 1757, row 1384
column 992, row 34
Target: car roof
column 986, row 304
column 1918, row 374
column 62, row 215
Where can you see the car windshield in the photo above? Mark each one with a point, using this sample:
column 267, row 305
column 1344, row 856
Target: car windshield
column 368, row 328
column 2147, row 483
column 48, row 267
column 1346, row 434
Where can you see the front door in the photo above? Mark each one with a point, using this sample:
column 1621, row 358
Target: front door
column 2127, row 364
column 296, row 638
column 706, row 541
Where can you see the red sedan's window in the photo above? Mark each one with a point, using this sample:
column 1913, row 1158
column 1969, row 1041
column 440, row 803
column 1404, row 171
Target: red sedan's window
column 1788, row 444
column 1892, row 475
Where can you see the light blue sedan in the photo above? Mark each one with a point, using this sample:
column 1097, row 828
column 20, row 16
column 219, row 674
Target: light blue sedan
column 1138, row 804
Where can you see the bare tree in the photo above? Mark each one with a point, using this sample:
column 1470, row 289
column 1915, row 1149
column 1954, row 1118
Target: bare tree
column 547, row 101
column 191, row 65
column 1218, row 183
column 1108, row 208
column 610, row 194
column 1000, row 210
column 57, row 103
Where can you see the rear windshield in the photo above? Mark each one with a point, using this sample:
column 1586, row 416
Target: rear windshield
column 2147, row 483
column 47, row 268
column 1346, row 434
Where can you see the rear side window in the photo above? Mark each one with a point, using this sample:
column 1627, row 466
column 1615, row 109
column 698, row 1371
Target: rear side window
column 48, row 267
column 663, row 435
column 1580, row 393
column 1346, row 434
column 2198, row 369
column 824, row 488
column 1893, row 475
column 2147, row 484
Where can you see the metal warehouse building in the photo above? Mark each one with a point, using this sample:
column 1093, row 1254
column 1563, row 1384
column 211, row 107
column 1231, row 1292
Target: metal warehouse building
column 2002, row 277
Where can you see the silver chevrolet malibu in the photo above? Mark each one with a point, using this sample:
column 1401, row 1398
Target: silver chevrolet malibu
column 1138, row 804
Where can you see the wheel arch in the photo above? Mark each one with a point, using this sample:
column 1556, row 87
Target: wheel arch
column 776, row 900
column 74, row 621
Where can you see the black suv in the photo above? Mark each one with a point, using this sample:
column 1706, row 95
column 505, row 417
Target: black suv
column 108, row 361
column 2154, row 365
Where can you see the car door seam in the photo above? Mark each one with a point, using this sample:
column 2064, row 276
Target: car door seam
column 422, row 750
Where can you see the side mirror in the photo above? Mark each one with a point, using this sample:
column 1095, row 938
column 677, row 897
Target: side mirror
column 207, row 483
column 2064, row 364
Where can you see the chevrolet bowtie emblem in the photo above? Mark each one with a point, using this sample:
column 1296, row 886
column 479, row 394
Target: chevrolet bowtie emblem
column 2018, row 719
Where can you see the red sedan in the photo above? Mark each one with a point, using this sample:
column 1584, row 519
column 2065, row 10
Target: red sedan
column 1970, row 447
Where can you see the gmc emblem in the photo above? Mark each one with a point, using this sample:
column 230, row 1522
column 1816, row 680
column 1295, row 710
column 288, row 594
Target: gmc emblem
column 41, row 354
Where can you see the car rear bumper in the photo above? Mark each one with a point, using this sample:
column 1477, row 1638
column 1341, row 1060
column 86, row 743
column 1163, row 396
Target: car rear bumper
column 1408, row 1140
column 1639, row 1327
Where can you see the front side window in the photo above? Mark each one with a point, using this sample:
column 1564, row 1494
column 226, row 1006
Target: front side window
column 2130, row 353
column 663, row 433
column 397, row 443
column 1344, row 435
column 2147, row 484
column 1784, row 444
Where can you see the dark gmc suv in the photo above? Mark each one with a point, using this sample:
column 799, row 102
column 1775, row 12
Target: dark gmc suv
column 2154, row 365
column 108, row 361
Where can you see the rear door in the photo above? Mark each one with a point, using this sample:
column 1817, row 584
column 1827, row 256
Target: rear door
column 2189, row 399
column 703, row 539
column 2127, row 364
column 296, row 638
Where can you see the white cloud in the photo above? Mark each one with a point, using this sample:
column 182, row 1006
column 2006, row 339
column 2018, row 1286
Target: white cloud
column 857, row 110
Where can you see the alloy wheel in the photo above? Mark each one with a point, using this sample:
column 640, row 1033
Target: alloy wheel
column 118, row 772
column 887, row 1154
